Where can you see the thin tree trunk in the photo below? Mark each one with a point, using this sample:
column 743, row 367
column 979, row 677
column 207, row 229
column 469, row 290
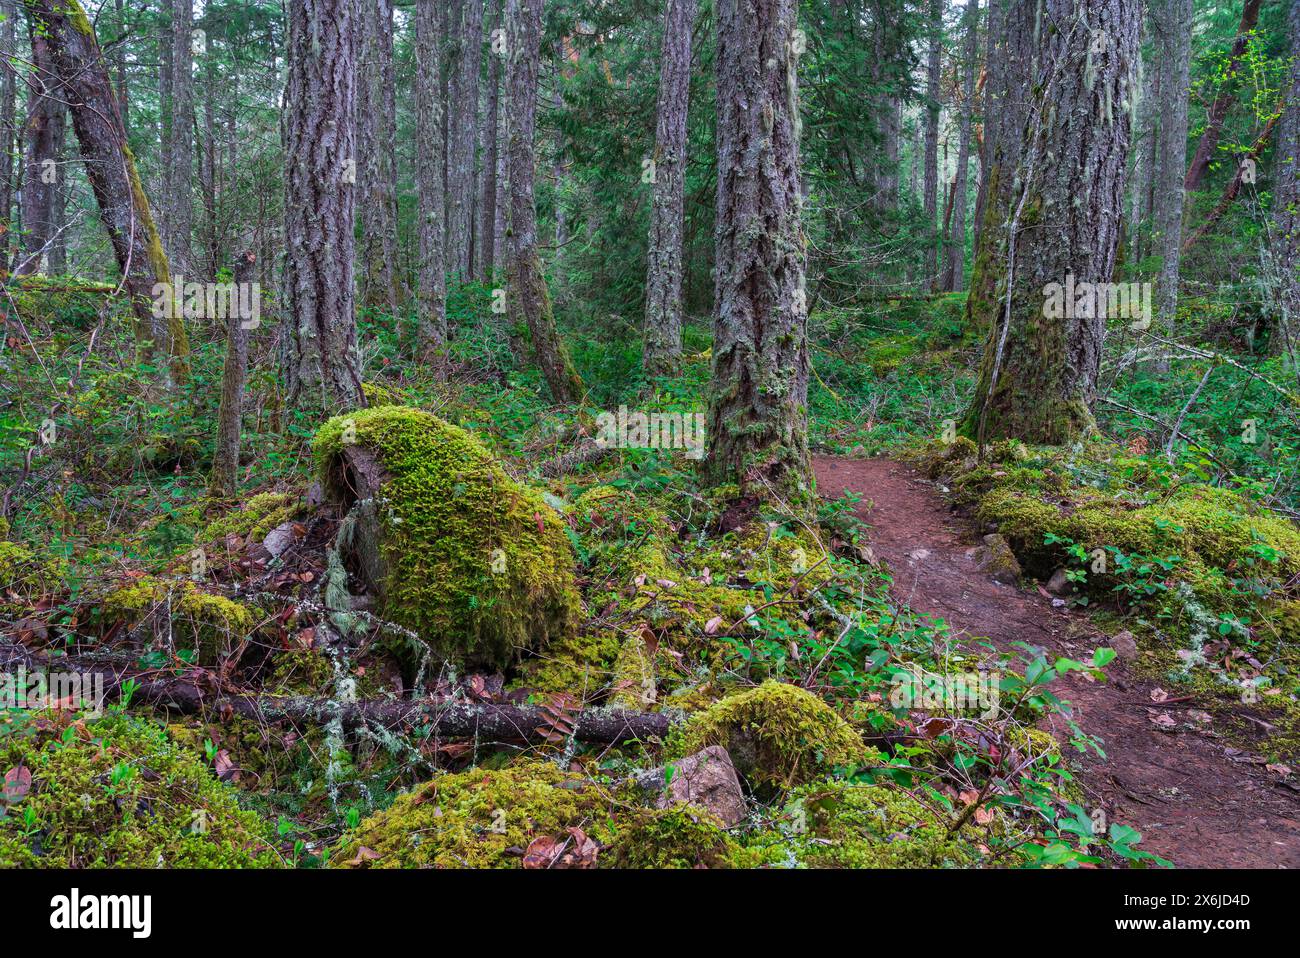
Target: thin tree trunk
column 1144, row 139
column 528, row 291
column 758, row 408
column 663, row 309
column 224, row 481
column 320, row 205
column 1209, row 142
column 490, row 137
column 1172, row 20
column 40, row 153
column 180, row 147
column 931, row 180
column 123, row 207
column 955, row 273
column 1038, row 381
column 462, row 136
column 376, row 135
column 1286, row 202
column 431, row 336
column 57, row 258
column 8, row 122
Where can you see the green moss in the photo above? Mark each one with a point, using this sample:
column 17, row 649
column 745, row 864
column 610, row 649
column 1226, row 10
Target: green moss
column 469, row 820
column 255, row 518
column 778, row 735
column 27, row 574
column 377, row 395
column 212, row 624
column 839, row 825
column 123, row 796
column 677, row 837
column 474, row 562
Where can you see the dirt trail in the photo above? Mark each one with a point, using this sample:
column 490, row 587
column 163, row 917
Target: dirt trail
column 1196, row 802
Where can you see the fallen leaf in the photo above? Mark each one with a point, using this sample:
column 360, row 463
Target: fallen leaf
column 18, row 782
column 712, row 626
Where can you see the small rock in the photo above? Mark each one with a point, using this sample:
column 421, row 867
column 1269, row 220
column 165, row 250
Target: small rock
column 1059, row 583
column 280, row 538
column 919, row 555
column 1058, row 603
column 1124, row 644
column 999, row 561
column 707, row 780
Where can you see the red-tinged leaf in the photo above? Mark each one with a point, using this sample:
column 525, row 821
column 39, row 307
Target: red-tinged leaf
column 541, row 523
column 18, row 782
column 541, row 852
column 225, row 766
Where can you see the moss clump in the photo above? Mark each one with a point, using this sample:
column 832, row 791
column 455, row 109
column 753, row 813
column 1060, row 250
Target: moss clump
column 377, row 395
column 778, row 735
column 677, row 837
column 118, row 794
column 211, row 624
column 26, row 574
column 475, row 563
column 470, row 819
column 257, row 517
column 840, row 825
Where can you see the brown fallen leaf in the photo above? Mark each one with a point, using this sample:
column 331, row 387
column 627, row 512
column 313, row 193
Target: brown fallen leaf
column 18, row 782
column 1159, row 695
column 712, row 626
column 364, row 855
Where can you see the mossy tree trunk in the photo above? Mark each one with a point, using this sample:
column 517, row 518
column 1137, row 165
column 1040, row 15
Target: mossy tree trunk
column 84, row 84
column 431, row 334
column 1286, row 201
column 758, row 409
column 663, row 308
column 1038, row 379
column 320, row 205
column 528, row 292
column 224, row 481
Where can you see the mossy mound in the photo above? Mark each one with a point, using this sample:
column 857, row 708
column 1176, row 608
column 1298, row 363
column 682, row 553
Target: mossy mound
column 778, row 735
column 677, row 837
column 255, row 518
column 208, row 623
column 475, row 563
column 471, row 819
column 116, row 793
column 26, row 574
column 840, row 825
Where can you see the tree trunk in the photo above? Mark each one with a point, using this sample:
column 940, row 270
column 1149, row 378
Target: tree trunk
column 179, row 158
column 1144, row 139
column 1172, row 20
column 462, row 135
column 1038, row 380
column 931, row 184
column 663, row 308
column 955, row 272
column 8, row 122
column 1209, row 141
column 320, row 205
column 376, row 136
column 40, row 154
column 1286, row 201
column 431, row 337
column 485, row 261
column 57, row 259
column 528, row 290
column 224, row 481
column 758, row 409
column 110, row 167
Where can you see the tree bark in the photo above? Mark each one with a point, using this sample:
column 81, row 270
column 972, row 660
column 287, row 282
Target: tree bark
column 663, row 309
column 528, row 291
column 1286, row 201
column 431, row 337
column 462, row 136
column 1172, row 20
column 1144, row 145
column 179, row 157
column 758, row 409
column 1209, row 142
column 224, row 481
column 40, row 154
column 955, row 271
column 376, row 136
column 931, row 180
column 485, row 261
column 110, row 167
column 1038, row 380
column 320, row 206
column 8, row 122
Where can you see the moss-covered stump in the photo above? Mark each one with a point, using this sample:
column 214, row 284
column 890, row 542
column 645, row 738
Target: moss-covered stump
column 476, row 564
column 778, row 736
column 210, row 624
column 116, row 793
column 473, row 819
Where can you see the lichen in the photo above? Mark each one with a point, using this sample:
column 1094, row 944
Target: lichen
column 116, row 793
column 475, row 563
column 778, row 735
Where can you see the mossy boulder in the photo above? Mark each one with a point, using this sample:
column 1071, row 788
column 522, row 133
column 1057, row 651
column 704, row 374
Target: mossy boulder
column 117, row 793
column 472, row 819
column 778, row 736
column 476, row 564
column 843, row 825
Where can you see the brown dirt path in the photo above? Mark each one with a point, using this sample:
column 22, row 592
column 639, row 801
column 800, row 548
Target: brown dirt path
column 1196, row 801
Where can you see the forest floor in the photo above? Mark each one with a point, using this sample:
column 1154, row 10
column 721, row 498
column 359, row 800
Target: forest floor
column 1198, row 801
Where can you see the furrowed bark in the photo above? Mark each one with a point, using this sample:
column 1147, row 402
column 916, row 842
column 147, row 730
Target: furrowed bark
column 179, row 157
column 40, row 155
column 1286, row 201
column 931, row 185
column 485, row 260
column 462, row 135
column 376, row 136
column 955, row 271
column 431, row 335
